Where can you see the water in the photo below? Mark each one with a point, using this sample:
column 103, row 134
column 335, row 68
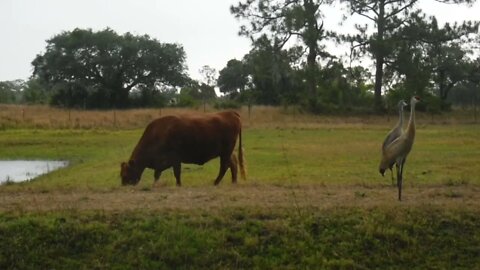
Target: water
column 22, row 170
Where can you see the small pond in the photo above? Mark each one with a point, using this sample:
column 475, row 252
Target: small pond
column 22, row 170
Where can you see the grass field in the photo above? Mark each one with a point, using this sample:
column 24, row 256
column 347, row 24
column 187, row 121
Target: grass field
column 313, row 199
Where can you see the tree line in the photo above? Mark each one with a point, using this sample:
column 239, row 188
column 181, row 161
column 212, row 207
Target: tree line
column 288, row 64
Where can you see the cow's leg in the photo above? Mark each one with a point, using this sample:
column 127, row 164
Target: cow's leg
column 156, row 175
column 234, row 167
column 177, row 168
column 159, row 168
column 224, row 164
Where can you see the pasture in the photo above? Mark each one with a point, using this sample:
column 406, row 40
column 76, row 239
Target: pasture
column 313, row 199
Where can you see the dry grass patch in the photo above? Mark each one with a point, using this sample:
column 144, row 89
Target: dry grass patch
column 266, row 197
column 22, row 116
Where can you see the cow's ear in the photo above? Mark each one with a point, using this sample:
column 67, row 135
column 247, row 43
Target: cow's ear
column 123, row 165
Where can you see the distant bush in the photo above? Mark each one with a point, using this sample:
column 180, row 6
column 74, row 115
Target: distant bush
column 227, row 104
column 185, row 100
column 319, row 106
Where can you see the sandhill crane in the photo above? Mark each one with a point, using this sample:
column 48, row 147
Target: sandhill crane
column 396, row 131
column 397, row 151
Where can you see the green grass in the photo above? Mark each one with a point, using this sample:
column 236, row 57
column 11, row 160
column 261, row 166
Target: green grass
column 335, row 155
column 442, row 235
column 243, row 239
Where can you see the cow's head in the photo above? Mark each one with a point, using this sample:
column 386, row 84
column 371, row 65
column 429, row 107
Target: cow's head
column 129, row 173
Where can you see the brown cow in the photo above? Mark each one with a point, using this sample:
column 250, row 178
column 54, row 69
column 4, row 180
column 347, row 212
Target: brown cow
column 171, row 140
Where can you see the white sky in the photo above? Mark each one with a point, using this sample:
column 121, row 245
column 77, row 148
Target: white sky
column 206, row 29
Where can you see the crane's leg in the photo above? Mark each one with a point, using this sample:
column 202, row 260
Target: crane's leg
column 393, row 179
column 400, row 180
column 399, row 177
column 397, row 166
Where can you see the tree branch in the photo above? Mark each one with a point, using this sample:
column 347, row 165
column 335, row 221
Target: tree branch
column 412, row 2
column 366, row 16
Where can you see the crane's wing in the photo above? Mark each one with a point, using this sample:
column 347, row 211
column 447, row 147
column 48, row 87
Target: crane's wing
column 391, row 153
column 399, row 148
column 392, row 136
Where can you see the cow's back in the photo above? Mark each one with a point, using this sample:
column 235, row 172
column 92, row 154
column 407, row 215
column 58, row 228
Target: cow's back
column 198, row 139
column 191, row 138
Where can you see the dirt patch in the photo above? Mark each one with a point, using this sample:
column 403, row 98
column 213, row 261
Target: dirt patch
column 246, row 195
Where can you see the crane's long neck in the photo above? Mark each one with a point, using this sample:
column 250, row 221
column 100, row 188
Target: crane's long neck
column 400, row 117
column 411, row 121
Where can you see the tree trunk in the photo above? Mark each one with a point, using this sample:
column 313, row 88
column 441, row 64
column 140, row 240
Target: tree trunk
column 378, row 83
column 311, row 73
column 311, row 38
column 441, row 84
column 379, row 52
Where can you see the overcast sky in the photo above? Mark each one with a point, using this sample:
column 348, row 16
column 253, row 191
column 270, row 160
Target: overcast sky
column 205, row 28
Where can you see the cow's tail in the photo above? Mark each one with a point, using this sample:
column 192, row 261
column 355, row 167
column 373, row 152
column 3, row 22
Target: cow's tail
column 241, row 159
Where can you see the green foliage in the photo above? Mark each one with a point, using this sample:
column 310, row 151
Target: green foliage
column 434, row 104
column 412, row 53
column 11, row 91
column 194, row 94
column 393, row 96
column 430, row 102
column 90, row 69
column 187, row 98
column 413, row 48
column 272, row 76
column 387, row 17
column 274, row 82
column 318, row 106
column 35, row 93
column 233, row 78
column 279, row 21
column 223, row 103
column 429, row 53
column 151, row 97
column 207, row 92
column 343, row 87
column 465, row 94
